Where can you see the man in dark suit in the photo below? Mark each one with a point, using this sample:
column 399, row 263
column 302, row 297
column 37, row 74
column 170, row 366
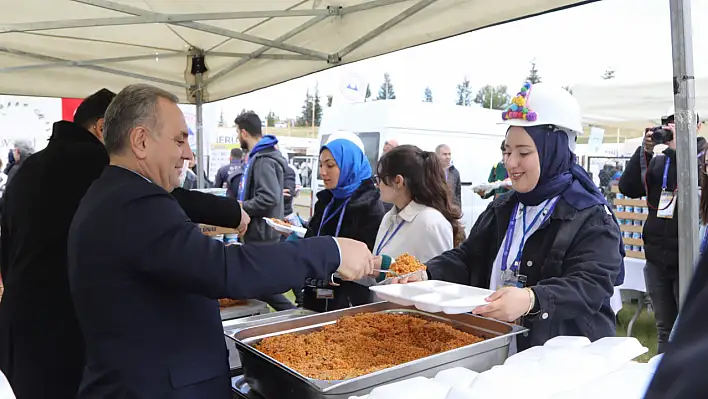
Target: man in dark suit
column 41, row 345
column 145, row 280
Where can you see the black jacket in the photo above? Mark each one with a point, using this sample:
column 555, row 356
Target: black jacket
column 229, row 177
column 361, row 222
column 660, row 235
column 573, row 291
column 455, row 184
column 133, row 250
column 681, row 373
column 289, row 183
column 264, row 195
column 35, row 226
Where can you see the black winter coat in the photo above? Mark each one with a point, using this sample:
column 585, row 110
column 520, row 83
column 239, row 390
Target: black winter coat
column 572, row 291
column 660, row 235
column 41, row 345
column 681, row 373
column 362, row 218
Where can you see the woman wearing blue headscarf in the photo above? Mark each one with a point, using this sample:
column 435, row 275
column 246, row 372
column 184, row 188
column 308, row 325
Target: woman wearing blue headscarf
column 350, row 207
column 550, row 248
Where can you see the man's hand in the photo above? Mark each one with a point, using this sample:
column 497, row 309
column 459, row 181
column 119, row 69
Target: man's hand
column 243, row 226
column 481, row 193
column 357, row 260
column 672, row 128
column 286, row 193
column 648, row 143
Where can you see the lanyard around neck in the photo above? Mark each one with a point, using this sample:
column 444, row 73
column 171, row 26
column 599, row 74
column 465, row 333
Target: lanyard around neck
column 384, row 240
column 666, row 173
column 526, row 229
column 326, row 218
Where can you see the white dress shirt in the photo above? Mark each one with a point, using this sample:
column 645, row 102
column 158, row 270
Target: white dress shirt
column 425, row 233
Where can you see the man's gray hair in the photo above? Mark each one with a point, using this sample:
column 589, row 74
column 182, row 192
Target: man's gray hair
column 135, row 105
column 440, row 147
column 25, row 148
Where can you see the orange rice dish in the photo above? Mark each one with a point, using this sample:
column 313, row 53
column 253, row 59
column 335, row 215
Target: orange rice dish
column 406, row 264
column 362, row 344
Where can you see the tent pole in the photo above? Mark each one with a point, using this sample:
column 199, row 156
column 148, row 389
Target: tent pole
column 198, row 68
column 685, row 117
column 200, row 132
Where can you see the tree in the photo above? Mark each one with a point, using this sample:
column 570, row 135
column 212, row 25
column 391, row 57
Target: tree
column 533, row 74
column 271, row 118
column 329, row 100
column 386, row 91
column 464, row 93
column 609, row 74
column 428, row 95
column 368, row 92
column 222, row 120
column 493, row 97
column 305, row 119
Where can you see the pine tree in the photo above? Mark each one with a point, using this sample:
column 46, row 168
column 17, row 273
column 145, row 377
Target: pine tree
column 428, row 95
column 318, row 109
column 222, row 120
column 493, row 97
column 305, row 118
column 386, row 91
column 464, row 93
column 368, row 92
column 533, row 74
column 330, row 98
column 271, row 118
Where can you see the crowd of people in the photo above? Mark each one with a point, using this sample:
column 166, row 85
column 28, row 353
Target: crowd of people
column 133, row 282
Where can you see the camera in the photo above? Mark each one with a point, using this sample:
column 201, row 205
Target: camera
column 660, row 135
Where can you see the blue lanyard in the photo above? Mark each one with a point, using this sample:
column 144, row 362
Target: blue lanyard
column 384, row 241
column 510, row 233
column 705, row 241
column 326, row 219
column 666, row 173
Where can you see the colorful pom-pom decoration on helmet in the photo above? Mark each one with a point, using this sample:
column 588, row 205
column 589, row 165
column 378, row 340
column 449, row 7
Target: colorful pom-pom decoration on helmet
column 518, row 109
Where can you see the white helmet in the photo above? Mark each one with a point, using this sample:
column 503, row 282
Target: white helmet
column 342, row 134
column 543, row 104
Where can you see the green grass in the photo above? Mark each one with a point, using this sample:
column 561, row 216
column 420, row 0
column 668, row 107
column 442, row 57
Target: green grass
column 644, row 329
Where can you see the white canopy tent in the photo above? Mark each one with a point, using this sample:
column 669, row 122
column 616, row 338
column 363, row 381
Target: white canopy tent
column 208, row 50
column 633, row 106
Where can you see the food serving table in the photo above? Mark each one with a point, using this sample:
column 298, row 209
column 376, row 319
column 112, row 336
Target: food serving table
column 272, row 379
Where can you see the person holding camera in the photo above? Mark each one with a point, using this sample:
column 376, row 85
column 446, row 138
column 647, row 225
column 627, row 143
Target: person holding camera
column 654, row 176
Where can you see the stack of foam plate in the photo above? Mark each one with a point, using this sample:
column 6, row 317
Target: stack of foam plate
column 434, row 296
column 577, row 368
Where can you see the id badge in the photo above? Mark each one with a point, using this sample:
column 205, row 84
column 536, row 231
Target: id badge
column 667, row 204
column 323, row 293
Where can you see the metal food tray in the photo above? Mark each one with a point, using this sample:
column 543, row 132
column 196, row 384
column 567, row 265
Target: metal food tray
column 273, row 379
column 232, row 326
column 250, row 308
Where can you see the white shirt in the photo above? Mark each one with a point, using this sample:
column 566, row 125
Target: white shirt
column 425, row 233
column 5, row 389
column 531, row 211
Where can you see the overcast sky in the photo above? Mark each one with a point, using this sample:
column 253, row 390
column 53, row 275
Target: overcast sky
column 570, row 47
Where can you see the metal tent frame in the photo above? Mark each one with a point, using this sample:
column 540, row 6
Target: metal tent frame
column 69, row 48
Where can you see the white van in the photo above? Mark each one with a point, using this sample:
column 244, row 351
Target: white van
column 473, row 134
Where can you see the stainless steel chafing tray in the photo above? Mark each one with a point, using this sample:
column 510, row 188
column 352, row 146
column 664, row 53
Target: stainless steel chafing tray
column 231, row 327
column 273, row 379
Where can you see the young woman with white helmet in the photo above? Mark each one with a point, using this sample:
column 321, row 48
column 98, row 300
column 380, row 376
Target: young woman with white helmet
column 551, row 247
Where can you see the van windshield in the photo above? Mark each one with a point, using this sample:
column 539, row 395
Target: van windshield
column 371, row 146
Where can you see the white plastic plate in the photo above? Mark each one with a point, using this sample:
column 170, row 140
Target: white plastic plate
column 434, row 296
column 299, row 231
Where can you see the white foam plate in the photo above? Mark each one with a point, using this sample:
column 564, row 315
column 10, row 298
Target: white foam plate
column 434, row 296
column 299, row 231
